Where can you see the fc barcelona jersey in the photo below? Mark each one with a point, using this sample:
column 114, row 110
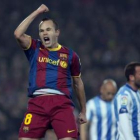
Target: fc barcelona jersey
column 51, row 68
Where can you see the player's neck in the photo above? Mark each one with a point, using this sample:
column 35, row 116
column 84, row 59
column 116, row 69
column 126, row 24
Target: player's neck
column 103, row 98
column 55, row 45
column 133, row 86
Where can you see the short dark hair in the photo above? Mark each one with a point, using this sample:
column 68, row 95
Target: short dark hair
column 130, row 69
column 54, row 22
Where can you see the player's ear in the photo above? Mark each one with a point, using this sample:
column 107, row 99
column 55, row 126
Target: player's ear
column 101, row 89
column 131, row 77
column 57, row 32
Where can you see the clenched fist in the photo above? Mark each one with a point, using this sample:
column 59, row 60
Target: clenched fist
column 43, row 8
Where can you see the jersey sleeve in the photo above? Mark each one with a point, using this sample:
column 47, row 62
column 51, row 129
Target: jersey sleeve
column 29, row 52
column 124, row 103
column 123, row 110
column 76, row 66
column 126, row 127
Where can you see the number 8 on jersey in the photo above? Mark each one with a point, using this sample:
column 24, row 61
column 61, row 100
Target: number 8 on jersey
column 28, row 119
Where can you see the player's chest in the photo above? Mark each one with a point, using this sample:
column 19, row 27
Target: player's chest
column 46, row 59
column 103, row 110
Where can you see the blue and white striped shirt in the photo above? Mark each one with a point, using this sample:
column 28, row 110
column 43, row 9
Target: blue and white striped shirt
column 127, row 102
column 102, row 119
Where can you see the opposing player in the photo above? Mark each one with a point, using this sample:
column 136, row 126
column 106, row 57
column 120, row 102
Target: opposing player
column 127, row 105
column 101, row 115
column 53, row 70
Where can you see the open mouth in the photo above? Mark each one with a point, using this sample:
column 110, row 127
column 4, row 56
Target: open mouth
column 47, row 39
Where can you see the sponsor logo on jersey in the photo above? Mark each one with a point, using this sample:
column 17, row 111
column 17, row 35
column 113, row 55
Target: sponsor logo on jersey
column 70, row 131
column 123, row 110
column 48, row 60
column 124, row 100
column 62, row 63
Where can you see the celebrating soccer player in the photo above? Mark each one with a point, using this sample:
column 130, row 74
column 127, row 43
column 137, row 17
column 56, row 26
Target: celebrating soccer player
column 53, row 70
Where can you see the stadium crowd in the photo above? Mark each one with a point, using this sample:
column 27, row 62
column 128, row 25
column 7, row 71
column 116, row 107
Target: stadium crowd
column 105, row 34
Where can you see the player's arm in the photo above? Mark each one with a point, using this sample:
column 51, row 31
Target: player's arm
column 21, row 37
column 79, row 89
column 124, row 107
column 84, row 131
column 125, row 126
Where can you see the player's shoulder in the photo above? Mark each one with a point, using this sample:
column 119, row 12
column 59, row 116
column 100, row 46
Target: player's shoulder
column 91, row 103
column 123, row 91
column 67, row 49
column 92, row 100
column 36, row 42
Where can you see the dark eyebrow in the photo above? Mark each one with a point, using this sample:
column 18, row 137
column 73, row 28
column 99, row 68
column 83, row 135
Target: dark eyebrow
column 49, row 28
column 41, row 30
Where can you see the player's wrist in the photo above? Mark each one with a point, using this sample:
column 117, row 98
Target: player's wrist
column 83, row 111
column 37, row 11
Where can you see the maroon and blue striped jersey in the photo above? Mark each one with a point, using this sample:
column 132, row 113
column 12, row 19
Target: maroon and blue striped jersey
column 51, row 68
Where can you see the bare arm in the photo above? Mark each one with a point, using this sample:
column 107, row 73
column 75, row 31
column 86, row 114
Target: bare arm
column 79, row 88
column 22, row 38
column 84, row 131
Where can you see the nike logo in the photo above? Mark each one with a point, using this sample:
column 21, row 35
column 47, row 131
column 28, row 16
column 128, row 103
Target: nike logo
column 70, row 131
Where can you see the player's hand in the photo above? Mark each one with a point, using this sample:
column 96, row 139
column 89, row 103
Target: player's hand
column 82, row 118
column 43, row 8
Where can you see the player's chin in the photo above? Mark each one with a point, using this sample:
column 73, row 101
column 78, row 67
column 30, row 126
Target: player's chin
column 47, row 45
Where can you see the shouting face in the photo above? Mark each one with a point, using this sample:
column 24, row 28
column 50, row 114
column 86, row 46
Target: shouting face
column 48, row 34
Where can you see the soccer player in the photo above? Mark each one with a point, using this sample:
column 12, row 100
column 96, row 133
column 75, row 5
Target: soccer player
column 127, row 105
column 53, row 70
column 100, row 114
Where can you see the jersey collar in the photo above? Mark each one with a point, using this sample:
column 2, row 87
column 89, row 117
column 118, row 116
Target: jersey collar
column 130, row 87
column 55, row 49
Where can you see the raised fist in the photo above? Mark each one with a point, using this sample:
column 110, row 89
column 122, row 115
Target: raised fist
column 43, row 8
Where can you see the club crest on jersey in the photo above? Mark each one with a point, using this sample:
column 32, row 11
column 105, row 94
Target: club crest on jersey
column 63, row 56
column 26, row 129
column 124, row 101
column 63, row 64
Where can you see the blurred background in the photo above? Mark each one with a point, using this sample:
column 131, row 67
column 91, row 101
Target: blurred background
column 105, row 34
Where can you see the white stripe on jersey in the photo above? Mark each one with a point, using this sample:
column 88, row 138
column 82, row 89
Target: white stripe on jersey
column 114, row 125
column 102, row 119
column 128, row 101
column 93, row 122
